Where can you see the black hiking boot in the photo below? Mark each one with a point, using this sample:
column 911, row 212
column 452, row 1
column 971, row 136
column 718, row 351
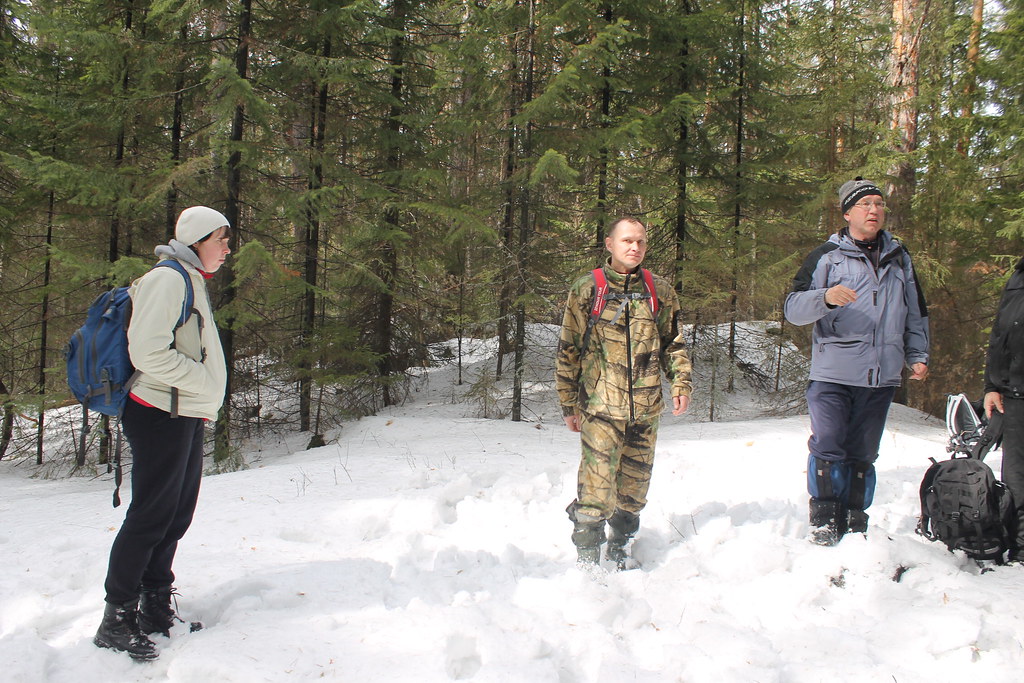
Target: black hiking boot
column 156, row 613
column 618, row 554
column 588, row 537
column 857, row 522
column 825, row 516
column 119, row 631
column 622, row 526
column 587, row 556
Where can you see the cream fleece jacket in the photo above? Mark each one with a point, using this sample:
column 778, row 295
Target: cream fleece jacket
column 157, row 300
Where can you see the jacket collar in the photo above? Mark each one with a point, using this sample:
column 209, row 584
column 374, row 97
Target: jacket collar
column 845, row 242
column 611, row 275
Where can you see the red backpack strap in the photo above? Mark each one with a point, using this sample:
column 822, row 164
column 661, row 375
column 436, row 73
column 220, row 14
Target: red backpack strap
column 600, row 290
column 649, row 286
column 597, row 306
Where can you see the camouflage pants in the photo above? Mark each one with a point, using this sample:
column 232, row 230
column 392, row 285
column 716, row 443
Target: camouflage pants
column 615, row 469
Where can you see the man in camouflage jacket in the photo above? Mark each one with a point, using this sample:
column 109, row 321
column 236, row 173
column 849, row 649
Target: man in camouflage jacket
column 611, row 390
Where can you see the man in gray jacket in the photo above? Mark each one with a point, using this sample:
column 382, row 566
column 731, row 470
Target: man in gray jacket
column 870, row 319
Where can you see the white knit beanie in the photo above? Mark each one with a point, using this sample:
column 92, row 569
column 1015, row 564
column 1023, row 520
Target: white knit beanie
column 196, row 222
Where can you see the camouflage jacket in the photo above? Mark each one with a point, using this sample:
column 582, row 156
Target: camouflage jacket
column 608, row 378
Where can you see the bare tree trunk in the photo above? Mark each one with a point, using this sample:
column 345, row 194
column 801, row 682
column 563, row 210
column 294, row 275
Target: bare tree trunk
column 7, row 429
column 312, row 249
column 44, row 320
column 738, row 200
column 602, row 156
column 388, row 262
column 524, row 239
column 119, row 146
column 908, row 18
column 177, row 126
column 682, row 164
column 715, row 355
column 507, row 272
column 830, row 217
column 232, row 211
column 114, row 251
column 970, row 78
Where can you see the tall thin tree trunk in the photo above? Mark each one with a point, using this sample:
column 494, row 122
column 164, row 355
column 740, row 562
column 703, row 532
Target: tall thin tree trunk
column 232, row 211
column 44, row 337
column 177, row 125
column 602, row 155
column 114, row 247
column 119, row 146
column 525, row 216
column 830, row 216
column 738, row 199
column 682, row 163
column 7, row 429
column 908, row 19
column 312, row 247
column 388, row 263
column 970, row 78
column 507, row 272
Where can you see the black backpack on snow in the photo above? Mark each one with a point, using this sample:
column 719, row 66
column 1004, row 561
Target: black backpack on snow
column 962, row 503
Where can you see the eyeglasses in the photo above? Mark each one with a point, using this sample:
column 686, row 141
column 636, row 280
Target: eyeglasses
column 867, row 206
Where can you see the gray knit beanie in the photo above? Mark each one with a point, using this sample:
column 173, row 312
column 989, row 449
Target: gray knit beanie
column 196, row 222
column 853, row 190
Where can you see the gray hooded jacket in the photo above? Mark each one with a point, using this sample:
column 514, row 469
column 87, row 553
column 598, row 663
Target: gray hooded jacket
column 867, row 342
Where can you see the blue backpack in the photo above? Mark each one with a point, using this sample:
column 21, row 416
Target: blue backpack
column 100, row 372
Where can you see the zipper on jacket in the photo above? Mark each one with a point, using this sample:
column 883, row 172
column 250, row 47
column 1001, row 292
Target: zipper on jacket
column 871, row 374
column 629, row 353
column 874, row 297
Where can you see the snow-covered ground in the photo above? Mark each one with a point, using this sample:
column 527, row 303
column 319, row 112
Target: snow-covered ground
column 426, row 544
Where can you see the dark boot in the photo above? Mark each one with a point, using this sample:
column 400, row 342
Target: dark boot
column 857, row 522
column 120, row 631
column 156, row 613
column 588, row 537
column 1015, row 551
column 828, row 521
column 623, row 526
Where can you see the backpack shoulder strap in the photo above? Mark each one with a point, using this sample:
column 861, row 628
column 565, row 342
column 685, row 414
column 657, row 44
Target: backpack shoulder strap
column 188, row 306
column 600, row 292
column 187, row 309
column 649, row 286
column 596, row 306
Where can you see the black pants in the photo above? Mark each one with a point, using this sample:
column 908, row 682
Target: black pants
column 167, row 465
column 1013, row 457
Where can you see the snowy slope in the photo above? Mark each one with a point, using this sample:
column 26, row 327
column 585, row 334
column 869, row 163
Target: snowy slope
column 428, row 545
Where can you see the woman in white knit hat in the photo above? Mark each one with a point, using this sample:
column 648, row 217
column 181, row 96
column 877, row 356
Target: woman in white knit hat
column 180, row 385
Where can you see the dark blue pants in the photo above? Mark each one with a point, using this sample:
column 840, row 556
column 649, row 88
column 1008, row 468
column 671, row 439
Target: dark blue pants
column 846, row 428
column 167, row 465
